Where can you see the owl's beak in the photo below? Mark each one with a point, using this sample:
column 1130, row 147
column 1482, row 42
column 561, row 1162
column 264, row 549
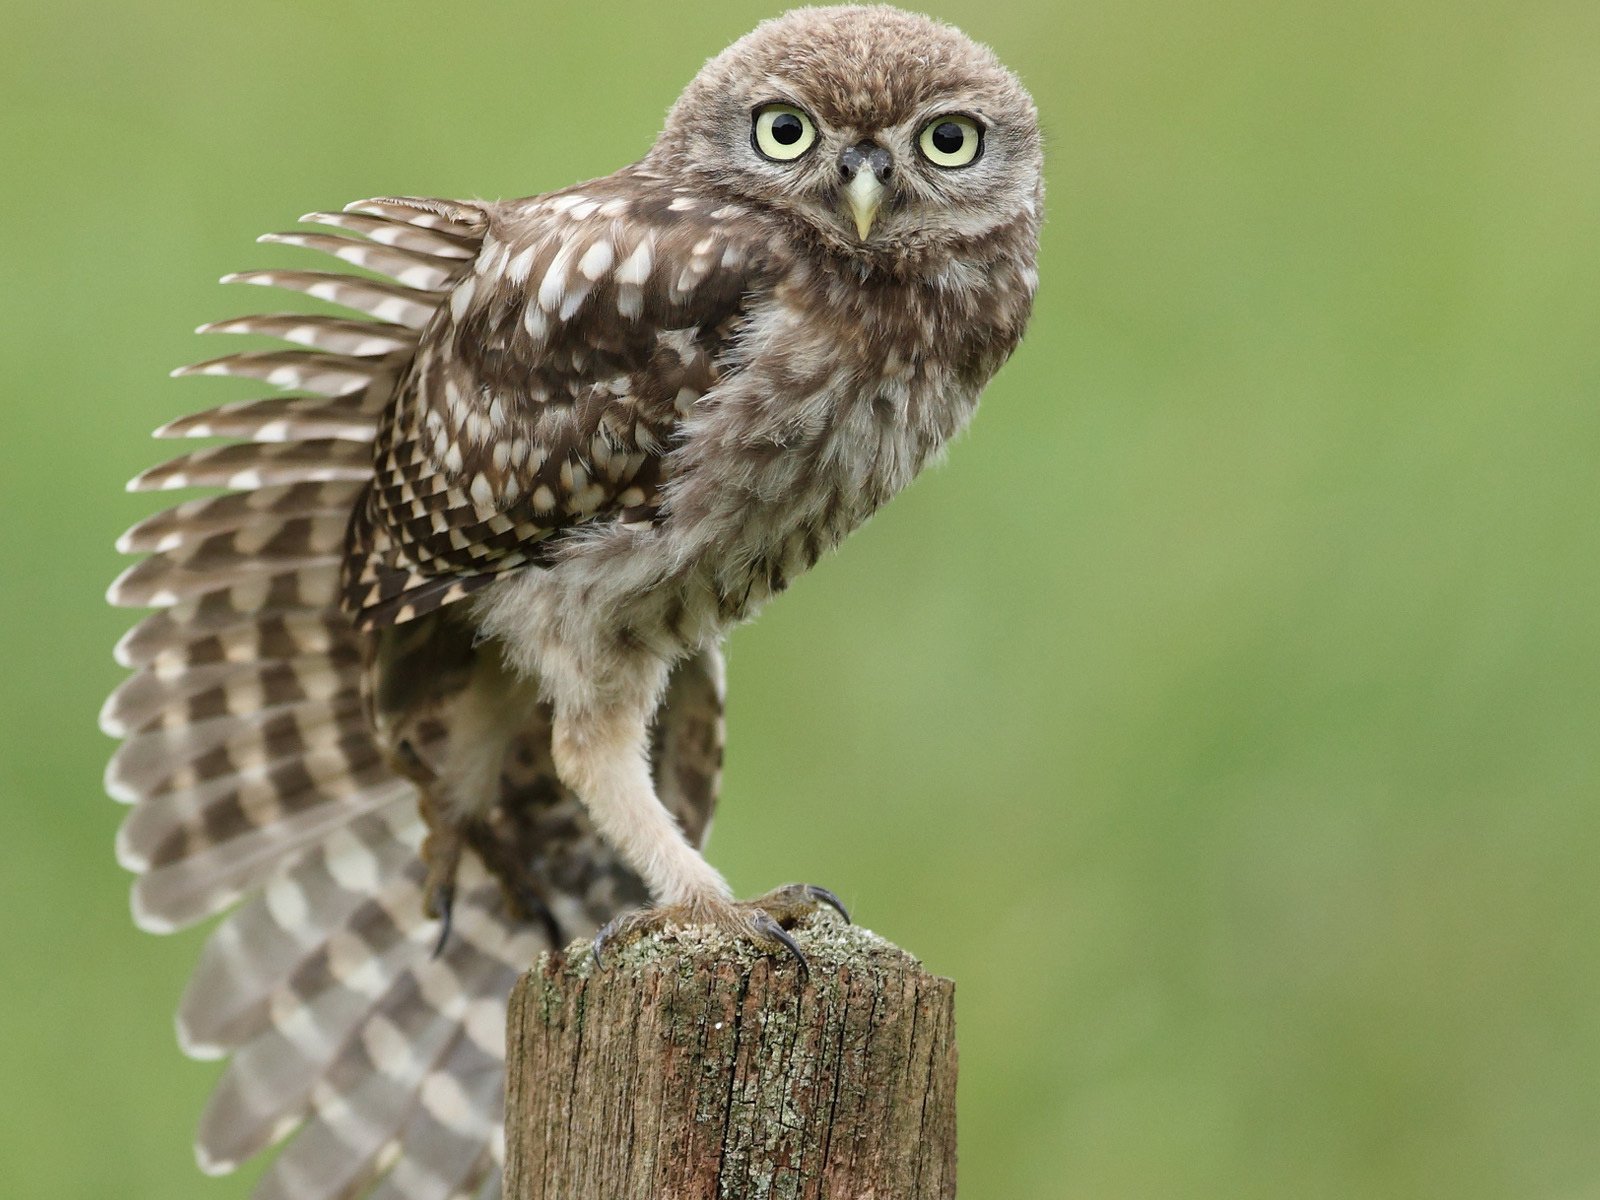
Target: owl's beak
column 864, row 195
column 866, row 168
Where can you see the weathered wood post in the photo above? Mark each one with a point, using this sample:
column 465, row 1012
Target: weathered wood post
column 691, row 1068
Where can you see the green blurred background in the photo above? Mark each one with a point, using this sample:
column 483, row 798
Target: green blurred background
column 1223, row 716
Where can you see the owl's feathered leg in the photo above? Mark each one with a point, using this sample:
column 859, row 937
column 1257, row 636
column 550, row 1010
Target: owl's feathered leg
column 602, row 753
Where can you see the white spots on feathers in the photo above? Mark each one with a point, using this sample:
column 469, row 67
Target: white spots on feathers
column 385, row 301
column 565, row 202
column 636, row 270
column 358, row 338
column 596, row 260
column 517, row 269
column 632, row 275
column 447, row 1103
column 554, row 284
column 352, row 863
column 323, row 374
column 461, row 298
column 287, row 904
column 413, row 269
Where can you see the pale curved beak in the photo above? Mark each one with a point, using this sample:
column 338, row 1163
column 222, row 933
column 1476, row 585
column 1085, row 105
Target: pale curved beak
column 864, row 196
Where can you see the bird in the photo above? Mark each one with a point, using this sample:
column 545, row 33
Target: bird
column 434, row 683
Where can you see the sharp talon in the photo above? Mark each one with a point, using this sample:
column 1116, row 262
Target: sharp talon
column 772, row 929
column 530, row 904
column 826, row 897
column 598, row 946
column 443, row 904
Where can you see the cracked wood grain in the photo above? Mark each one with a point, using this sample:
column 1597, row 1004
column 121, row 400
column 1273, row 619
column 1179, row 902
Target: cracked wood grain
column 692, row 1068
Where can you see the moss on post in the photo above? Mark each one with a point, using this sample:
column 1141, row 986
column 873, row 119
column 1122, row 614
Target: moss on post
column 694, row 1068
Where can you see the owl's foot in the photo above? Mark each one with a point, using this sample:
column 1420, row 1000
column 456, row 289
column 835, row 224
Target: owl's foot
column 766, row 920
column 524, row 891
column 441, row 858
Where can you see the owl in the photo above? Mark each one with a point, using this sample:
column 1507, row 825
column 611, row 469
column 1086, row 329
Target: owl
column 434, row 684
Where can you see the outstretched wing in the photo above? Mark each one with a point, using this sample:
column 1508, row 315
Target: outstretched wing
column 547, row 393
column 256, row 781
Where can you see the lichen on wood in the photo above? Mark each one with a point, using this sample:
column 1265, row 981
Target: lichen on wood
column 694, row 1066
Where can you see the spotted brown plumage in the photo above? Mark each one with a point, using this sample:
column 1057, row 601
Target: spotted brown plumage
column 550, row 390
column 435, row 684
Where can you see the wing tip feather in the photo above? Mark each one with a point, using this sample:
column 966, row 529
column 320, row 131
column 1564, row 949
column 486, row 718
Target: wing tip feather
column 109, row 722
column 118, row 788
column 130, row 859
column 193, row 1047
column 210, row 1164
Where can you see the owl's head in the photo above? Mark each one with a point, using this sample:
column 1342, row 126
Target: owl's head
column 879, row 132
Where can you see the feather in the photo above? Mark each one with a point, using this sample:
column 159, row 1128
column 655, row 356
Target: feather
column 177, row 629
column 161, row 642
column 285, row 419
column 369, row 1005
column 313, row 371
column 268, row 939
column 200, row 693
column 402, row 234
column 372, row 1093
column 266, row 598
column 448, row 1141
column 446, row 216
column 386, row 301
column 163, row 762
column 311, row 1017
column 195, row 887
column 260, row 464
column 227, row 558
column 338, row 335
column 198, row 518
column 426, row 272
column 149, row 762
column 179, row 822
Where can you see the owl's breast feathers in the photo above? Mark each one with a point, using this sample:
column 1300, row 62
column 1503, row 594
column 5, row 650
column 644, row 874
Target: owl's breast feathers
column 628, row 355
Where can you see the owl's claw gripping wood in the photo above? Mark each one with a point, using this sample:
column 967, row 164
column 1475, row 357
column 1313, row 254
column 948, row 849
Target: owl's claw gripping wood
column 766, row 920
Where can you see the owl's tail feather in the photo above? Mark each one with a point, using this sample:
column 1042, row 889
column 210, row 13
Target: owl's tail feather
column 254, row 776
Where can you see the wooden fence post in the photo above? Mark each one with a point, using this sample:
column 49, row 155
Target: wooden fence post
column 692, row 1068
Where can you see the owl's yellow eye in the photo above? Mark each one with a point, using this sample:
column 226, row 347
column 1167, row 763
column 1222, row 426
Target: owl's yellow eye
column 782, row 132
column 952, row 141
